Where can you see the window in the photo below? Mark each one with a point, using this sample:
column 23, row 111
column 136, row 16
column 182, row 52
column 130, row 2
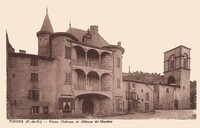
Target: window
column 141, row 90
column 119, row 105
column 87, row 40
column 68, row 78
column 65, row 104
column 133, row 85
column 185, row 61
column 34, row 61
column 118, row 62
column 183, row 87
column 172, row 62
column 147, row 96
column 132, row 95
column 33, row 94
column 129, row 86
column 34, row 77
column 35, row 110
column 167, row 90
column 118, row 83
column 67, row 52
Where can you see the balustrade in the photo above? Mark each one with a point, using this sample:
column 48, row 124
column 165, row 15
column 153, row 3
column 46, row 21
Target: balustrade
column 89, row 86
column 91, row 64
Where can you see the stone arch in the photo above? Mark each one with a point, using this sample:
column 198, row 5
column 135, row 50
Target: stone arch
column 171, row 80
column 80, row 55
column 172, row 62
column 81, row 79
column 106, row 60
column 100, row 102
column 106, row 82
column 93, row 80
column 93, row 58
column 185, row 60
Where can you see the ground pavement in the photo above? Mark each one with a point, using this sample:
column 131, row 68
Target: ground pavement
column 160, row 114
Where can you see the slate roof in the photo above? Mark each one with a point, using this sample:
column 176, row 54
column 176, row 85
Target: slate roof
column 97, row 40
column 46, row 26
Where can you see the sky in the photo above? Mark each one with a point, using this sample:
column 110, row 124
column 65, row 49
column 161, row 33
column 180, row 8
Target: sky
column 146, row 28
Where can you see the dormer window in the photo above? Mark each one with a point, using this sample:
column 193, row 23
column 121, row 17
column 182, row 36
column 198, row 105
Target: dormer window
column 87, row 38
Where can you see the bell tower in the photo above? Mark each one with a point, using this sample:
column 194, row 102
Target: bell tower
column 177, row 73
column 43, row 36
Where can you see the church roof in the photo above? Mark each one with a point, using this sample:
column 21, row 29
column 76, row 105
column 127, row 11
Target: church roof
column 46, row 26
column 97, row 40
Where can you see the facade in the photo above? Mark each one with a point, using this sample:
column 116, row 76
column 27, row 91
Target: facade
column 75, row 72
column 78, row 73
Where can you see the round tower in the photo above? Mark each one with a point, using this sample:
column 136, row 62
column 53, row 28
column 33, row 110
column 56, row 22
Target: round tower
column 118, row 94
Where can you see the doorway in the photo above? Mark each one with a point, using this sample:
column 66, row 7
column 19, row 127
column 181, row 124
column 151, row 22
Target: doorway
column 87, row 106
column 146, row 107
column 176, row 104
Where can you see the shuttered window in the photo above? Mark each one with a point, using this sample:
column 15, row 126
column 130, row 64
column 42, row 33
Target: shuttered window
column 34, row 77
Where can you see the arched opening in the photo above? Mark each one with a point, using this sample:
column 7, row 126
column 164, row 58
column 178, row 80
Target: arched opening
column 81, row 79
column 80, row 56
column 171, row 80
column 185, row 60
column 87, row 106
column 172, row 62
column 106, row 60
column 93, row 81
column 106, row 82
column 93, row 103
column 93, row 58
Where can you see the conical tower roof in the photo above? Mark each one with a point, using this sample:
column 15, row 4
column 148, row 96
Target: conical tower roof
column 46, row 26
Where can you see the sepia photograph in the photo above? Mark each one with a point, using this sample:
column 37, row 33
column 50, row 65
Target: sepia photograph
column 99, row 62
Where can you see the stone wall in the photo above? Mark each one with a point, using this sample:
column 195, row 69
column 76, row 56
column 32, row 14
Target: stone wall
column 19, row 84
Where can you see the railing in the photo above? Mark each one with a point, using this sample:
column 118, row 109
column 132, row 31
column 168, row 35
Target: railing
column 87, row 86
column 90, row 64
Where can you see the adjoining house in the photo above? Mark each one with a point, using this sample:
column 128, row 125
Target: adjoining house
column 78, row 72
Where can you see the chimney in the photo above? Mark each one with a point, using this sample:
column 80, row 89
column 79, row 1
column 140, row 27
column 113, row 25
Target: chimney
column 22, row 51
column 119, row 43
column 94, row 29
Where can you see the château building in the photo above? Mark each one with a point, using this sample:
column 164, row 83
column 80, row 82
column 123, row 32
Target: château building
column 78, row 72
column 75, row 72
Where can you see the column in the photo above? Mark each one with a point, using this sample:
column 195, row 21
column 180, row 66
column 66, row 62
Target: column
column 86, row 82
column 100, row 83
column 86, row 63
column 99, row 59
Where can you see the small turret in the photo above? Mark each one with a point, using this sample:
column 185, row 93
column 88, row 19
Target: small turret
column 43, row 36
column 46, row 26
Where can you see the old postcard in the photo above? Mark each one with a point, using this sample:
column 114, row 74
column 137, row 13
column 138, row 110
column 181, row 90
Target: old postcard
column 102, row 63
